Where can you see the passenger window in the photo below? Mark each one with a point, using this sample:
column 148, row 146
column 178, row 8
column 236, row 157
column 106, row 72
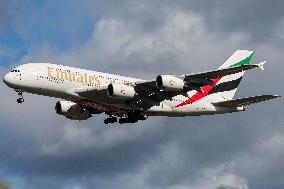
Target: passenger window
column 15, row 71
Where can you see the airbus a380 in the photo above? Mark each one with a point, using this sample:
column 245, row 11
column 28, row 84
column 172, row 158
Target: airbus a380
column 128, row 100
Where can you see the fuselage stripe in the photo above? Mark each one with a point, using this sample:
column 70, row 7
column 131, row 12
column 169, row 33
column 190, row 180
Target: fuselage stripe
column 206, row 89
column 227, row 86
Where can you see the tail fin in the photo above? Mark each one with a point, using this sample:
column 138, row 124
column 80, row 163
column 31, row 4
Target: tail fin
column 228, row 85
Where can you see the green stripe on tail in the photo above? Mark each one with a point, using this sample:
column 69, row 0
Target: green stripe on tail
column 244, row 61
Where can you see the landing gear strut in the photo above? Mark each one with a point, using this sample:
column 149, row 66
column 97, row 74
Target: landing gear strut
column 21, row 99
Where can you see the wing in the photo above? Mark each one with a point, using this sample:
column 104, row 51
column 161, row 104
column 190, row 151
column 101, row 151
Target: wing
column 149, row 95
column 245, row 101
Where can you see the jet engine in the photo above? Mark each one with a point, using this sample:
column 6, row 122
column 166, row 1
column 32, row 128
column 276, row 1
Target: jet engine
column 120, row 91
column 72, row 110
column 169, row 83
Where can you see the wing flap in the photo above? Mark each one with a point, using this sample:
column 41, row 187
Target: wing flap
column 245, row 101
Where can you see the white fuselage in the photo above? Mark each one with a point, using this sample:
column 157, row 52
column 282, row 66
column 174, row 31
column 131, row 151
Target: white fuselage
column 60, row 81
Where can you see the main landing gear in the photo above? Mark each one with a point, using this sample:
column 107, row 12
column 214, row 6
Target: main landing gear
column 131, row 117
column 21, row 99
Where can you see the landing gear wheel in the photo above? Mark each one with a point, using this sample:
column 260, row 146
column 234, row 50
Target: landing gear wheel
column 20, row 100
column 110, row 120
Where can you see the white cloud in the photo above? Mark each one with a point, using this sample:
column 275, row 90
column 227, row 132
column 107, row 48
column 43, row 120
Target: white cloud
column 213, row 180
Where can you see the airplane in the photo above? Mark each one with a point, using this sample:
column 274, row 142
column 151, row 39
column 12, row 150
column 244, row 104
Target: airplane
column 85, row 93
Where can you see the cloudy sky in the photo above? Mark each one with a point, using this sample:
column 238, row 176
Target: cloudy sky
column 40, row 149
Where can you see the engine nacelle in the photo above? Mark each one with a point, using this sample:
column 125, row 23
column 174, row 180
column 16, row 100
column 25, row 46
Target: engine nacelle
column 169, row 83
column 72, row 110
column 120, row 91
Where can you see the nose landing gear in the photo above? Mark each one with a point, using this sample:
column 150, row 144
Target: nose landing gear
column 21, row 99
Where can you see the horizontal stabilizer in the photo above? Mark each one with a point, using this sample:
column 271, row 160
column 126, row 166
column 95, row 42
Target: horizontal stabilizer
column 245, row 101
column 261, row 65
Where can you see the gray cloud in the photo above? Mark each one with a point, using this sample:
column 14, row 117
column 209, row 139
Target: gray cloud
column 241, row 150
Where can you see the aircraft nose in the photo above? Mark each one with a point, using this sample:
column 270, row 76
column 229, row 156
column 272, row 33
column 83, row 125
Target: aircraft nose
column 7, row 79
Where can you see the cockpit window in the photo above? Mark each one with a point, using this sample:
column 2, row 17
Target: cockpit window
column 15, row 71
